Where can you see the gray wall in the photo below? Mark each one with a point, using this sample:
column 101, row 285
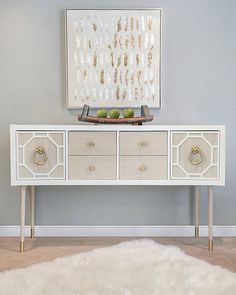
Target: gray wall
column 199, row 87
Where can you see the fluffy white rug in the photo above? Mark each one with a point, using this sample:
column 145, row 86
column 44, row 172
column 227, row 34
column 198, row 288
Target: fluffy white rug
column 140, row 267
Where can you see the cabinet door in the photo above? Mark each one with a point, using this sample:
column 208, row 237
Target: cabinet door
column 40, row 155
column 195, row 155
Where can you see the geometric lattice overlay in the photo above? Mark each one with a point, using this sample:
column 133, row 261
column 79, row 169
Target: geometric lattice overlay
column 54, row 147
column 181, row 145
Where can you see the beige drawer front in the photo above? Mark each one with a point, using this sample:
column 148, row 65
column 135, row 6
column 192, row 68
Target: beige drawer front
column 40, row 155
column 143, row 167
column 143, row 143
column 92, row 167
column 195, row 155
column 92, row 143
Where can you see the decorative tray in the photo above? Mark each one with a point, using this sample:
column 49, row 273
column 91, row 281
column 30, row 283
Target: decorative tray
column 145, row 117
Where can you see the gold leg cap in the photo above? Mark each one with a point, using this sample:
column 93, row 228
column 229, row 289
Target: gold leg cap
column 196, row 232
column 21, row 247
column 210, row 245
column 32, row 233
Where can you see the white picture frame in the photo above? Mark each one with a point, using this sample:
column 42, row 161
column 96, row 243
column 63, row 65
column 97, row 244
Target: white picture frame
column 113, row 57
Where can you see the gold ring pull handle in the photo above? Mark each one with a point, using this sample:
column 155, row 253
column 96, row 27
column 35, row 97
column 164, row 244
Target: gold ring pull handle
column 92, row 168
column 91, row 143
column 40, row 156
column 195, row 150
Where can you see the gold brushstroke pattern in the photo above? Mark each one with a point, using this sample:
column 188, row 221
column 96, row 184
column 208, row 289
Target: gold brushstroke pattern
column 138, row 76
column 150, row 22
column 119, row 25
column 124, row 95
column 132, row 24
column 126, row 60
column 132, row 79
column 120, row 77
column 129, row 45
column 149, row 58
column 120, row 42
column 137, row 59
column 139, row 40
column 115, row 42
column 127, row 77
column 94, row 27
column 112, row 59
column 115, row 76
column 136, row 93
column 118, row 93
column 126, row 24
column 141, row 92
column 126, row 42
column 95, row 59
column 132, row 41
column 102, row 77
column 119, row 61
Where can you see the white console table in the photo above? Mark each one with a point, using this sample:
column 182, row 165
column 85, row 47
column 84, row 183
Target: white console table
column 117, row 155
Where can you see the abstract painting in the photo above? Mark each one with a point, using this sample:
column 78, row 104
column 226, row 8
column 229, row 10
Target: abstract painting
column 113, row 58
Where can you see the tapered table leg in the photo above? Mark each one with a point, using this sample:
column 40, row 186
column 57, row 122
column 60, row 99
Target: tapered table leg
column 196, row 207
column 210, row 217
column 32, row 210
column 22, row 217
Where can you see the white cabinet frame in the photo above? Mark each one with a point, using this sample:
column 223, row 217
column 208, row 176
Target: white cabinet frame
column 32, row 183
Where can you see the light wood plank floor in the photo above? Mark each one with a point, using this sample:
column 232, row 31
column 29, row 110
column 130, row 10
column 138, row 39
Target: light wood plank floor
column 46, row 249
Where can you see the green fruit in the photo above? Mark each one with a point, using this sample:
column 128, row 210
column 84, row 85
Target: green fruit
column 114, row 114
column 128, row 113
column 102, row 113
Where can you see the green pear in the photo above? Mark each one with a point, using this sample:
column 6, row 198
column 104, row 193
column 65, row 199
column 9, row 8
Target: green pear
column 114, row 114
column 102, row 113
column 128, row 113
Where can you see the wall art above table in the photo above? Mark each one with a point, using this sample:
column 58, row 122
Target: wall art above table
column 113, row 58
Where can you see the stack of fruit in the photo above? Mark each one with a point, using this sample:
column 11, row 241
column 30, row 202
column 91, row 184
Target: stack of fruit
column 115, row 114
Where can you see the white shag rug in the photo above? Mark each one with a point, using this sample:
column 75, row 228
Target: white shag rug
column 140, row 267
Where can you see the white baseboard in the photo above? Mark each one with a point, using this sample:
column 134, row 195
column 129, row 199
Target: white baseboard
column 117, row 231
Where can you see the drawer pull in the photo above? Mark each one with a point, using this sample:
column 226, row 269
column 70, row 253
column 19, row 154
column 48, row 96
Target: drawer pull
column 40, row 152
column 92, row 168
column 143, row 168
column 194, row 151
column 143, row 143
column 91, row 143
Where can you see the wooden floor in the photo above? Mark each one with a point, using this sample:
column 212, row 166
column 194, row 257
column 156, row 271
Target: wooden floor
column 45, row 249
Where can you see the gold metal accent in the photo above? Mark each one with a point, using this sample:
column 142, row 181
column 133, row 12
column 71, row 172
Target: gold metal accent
column 40, row 151
column 195, row 150
column 196, row 232
column 32, row 233
column 21, row 247
column 143, row 168
column 92, row 168
column 210, row 245
column 91, row 143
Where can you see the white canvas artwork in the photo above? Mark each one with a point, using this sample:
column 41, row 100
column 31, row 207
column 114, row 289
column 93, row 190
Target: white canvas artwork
column 113, row 58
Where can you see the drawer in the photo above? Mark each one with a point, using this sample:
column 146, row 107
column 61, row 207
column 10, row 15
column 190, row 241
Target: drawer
column 40, row 155
column 143, row 143
column 92, row 143
column 92, row 167
column 143, row 167
column 195, row 155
